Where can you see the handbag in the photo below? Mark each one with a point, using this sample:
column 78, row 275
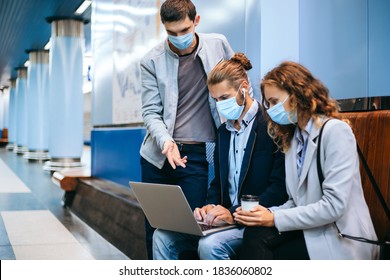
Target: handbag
column 383, row 244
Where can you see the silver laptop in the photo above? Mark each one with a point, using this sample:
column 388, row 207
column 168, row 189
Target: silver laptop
column 166, row 207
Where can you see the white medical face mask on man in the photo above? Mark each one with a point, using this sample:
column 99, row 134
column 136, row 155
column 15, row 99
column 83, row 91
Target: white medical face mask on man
column 182, row 42
column 229, row 108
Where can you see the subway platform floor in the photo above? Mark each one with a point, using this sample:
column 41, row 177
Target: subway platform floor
column 33, row 223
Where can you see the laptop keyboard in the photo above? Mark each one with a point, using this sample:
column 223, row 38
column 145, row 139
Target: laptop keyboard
column 204, row 227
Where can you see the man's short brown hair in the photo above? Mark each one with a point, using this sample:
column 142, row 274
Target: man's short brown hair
column 177, row 10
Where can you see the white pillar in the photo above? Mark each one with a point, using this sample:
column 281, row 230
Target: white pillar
column 38, row 105
column 66, row 98
column 21, row 111
column 12, row 116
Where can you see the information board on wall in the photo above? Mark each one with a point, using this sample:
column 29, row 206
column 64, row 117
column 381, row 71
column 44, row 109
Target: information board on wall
column 136, row 29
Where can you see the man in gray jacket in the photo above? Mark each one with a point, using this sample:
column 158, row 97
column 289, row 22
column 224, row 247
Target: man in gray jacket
column 178, row 112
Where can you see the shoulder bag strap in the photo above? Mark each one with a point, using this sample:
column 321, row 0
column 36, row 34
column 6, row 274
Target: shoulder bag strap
column 373, row 183
column 319, row 169
column 321, row 179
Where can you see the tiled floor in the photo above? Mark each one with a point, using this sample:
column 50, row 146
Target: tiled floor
column 33, row 223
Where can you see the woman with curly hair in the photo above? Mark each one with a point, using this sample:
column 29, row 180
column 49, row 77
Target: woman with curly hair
column 297, row 105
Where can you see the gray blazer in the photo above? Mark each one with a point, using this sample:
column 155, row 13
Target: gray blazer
column 342, row 202
column 160, row 91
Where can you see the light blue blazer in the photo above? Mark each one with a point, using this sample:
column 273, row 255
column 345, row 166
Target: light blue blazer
column 342, row 200
column 160, row 93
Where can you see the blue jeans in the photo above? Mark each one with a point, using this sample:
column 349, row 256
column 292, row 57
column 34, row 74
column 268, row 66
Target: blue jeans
column 193, row 180
column 221, row 245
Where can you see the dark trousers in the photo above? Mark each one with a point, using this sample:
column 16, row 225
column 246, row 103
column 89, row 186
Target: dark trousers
column 265, row 243
column 193, row 180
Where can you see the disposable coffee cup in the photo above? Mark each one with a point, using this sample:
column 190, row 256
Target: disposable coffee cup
column 249, row 201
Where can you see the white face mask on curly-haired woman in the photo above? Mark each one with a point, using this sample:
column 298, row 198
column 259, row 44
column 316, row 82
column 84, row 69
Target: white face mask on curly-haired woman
column 277, row 109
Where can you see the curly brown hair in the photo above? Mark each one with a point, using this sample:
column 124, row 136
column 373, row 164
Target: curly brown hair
column 309, row 97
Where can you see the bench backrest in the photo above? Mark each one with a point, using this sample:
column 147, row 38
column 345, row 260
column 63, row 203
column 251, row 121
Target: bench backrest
column 372, row 132
column 4, row 133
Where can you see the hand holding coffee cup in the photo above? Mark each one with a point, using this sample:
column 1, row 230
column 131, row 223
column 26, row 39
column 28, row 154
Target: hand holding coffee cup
column 249, row 201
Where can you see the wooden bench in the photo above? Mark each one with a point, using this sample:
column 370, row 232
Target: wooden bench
column 110, row 209
column 113, row 212
column 68, row 179
column 4, row 137
column 372, row 132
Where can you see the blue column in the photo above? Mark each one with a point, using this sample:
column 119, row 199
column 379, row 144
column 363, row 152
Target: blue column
column 21, row 111
column 38, row 105
column 6, row 107
column 2, row 112
column 11, row 115
column 66, row 97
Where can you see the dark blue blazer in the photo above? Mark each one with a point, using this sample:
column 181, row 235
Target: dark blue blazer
column 262, row 171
